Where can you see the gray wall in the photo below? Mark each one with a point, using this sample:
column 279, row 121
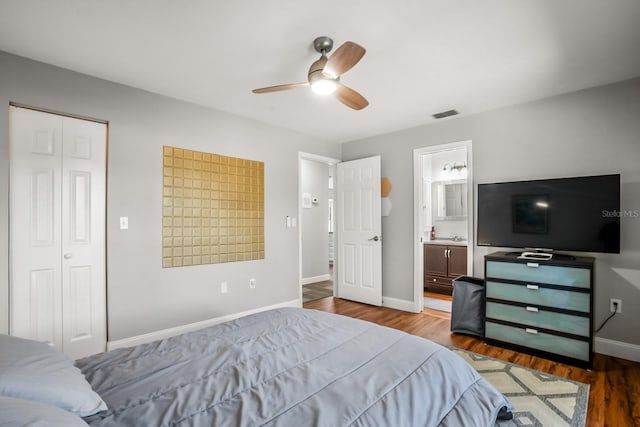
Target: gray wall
column 314, row 221
column 143, row 297
column 595, row 131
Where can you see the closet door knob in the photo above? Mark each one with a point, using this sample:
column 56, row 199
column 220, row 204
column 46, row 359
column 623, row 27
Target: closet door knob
column 68, row 255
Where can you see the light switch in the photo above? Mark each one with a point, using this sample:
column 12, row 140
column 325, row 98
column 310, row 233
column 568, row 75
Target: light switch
column 124, row 222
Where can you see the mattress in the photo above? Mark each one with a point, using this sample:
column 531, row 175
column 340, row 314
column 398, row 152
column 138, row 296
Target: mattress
column 290, row 367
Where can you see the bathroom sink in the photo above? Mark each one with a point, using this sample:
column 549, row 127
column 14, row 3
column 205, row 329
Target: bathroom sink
column 456, row 239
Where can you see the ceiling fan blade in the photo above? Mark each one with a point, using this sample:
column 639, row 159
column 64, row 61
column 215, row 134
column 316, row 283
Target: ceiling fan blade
column 280, row 87
column 350, row 97
column 344, row 58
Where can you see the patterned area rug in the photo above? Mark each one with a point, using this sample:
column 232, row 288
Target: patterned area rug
column 539, row 399
column 437, row 304
column 313, row 292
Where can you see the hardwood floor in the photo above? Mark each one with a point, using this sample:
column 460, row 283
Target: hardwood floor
column 437, row 313
column 314, row 291
column 614, row 395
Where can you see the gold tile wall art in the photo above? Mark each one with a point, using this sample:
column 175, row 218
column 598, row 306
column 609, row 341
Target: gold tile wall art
column 212, row 208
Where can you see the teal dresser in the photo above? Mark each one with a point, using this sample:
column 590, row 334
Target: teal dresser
column 541, row 307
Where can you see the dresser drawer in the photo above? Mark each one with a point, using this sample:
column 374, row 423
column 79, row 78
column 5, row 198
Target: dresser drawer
column 528, row 272
column 567, row 347
column 531, row 294
column 539, row 318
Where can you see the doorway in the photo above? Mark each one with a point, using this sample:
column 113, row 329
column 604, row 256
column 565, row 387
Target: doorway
column 316, row 221
column 357, row 267
column 443, row 221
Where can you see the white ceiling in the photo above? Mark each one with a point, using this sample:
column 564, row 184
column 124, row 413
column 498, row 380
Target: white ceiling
column 423, row 56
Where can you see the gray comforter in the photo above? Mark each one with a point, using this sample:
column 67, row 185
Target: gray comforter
column 290, row 367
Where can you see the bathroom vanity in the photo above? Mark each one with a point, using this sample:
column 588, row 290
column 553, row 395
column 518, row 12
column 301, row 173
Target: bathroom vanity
column 444, row 260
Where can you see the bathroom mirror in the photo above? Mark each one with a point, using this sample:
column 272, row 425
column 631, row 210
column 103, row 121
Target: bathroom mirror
column 449, row 200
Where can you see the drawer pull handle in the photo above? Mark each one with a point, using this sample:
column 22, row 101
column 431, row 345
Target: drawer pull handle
column 531, row 331
column 435, row 280
column 533, row 264
column 532, row 287
column 533, row 309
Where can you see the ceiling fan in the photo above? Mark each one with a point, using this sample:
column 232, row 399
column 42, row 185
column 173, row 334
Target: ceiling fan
column 324, row 74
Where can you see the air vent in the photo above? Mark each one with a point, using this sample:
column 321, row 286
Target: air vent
column 444, row 114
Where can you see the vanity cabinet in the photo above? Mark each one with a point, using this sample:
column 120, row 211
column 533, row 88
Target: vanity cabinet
column 541, row 307
column 442, row 264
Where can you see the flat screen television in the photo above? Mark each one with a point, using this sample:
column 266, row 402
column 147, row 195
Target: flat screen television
column 566, row 214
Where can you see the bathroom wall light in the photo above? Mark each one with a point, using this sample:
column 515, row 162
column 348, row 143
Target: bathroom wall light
column 455, row 166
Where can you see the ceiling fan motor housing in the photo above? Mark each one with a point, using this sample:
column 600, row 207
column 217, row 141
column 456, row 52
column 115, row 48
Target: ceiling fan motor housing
column 316, row 71
column 321, row 82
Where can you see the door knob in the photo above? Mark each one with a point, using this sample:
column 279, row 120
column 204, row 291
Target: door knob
column 374, row 238
column 68, row 256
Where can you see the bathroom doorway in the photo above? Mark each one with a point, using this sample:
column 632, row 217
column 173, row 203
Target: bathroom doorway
column 443, row 227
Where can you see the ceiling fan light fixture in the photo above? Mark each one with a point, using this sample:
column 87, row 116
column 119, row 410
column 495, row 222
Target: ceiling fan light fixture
column 324, row 86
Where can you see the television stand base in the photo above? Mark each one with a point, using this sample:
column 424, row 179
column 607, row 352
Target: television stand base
column 539, row 256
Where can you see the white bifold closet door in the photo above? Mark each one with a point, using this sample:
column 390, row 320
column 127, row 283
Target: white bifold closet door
column 57, row 231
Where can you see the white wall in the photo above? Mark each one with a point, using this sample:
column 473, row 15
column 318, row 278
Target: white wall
column 595, row 131
column 314, row 221
column 142, row 296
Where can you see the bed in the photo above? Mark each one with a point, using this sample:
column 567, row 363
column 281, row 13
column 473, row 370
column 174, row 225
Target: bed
column 289, row 367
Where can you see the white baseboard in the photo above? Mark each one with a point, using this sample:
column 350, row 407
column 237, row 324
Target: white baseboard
column 398, row 304
column 170, row 332
column 314, row 279
column 619, row 349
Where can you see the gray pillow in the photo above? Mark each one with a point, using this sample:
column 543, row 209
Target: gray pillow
column 27, row 413
column 34, row 371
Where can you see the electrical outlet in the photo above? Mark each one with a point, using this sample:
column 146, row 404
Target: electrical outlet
column 224, row 288
column 252, row 283
column 615, row 305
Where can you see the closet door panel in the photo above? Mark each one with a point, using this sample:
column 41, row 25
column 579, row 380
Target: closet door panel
column 35, row 226
column 83, row 236
column 43, row 308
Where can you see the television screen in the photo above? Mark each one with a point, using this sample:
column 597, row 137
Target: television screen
column 571, row 214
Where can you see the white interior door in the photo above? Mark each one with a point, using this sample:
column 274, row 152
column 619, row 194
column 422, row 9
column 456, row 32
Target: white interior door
column 57, row 231
column 359, row 229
